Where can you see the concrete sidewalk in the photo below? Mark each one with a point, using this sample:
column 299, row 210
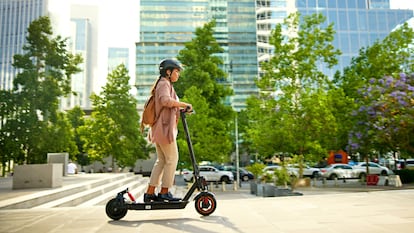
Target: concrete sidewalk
column 349, row 207
column 359, row 212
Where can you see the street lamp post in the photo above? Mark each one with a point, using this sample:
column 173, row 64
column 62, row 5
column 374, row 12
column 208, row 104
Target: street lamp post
column 236, row 128
column 230, row 71
column 237, row 152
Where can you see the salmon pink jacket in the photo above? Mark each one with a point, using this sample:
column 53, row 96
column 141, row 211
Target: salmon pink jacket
column 164, row 131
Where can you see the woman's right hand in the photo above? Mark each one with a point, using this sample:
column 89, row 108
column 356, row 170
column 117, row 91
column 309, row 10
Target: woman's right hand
column 189, row 108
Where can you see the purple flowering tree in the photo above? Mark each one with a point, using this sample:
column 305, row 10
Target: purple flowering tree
column 384, row 120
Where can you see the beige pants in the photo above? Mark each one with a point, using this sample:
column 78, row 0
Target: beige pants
column 164, row 168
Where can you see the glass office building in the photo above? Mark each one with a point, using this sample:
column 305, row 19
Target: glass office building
column 269, row 13
column 358, row 23
column 81, row 85
column 15, row 18
column 167, row 25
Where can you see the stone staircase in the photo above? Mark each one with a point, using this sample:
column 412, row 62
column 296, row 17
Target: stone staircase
column 85, row 190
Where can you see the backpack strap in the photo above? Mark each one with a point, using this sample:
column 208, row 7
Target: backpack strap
column 152, row 96
column 153, row 93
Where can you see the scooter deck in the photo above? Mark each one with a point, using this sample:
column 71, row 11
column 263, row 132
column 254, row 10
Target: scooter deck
column 157, row 205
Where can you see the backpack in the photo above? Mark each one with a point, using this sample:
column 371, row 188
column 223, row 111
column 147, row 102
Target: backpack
column 149, row 116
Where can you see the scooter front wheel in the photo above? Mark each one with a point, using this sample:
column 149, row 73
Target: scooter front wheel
column 205, row 204
column 116, row 209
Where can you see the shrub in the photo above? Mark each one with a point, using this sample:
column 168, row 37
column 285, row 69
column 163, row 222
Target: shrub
column 282, row 176
column 256, row 169
column 267, row 178
column 406, row 175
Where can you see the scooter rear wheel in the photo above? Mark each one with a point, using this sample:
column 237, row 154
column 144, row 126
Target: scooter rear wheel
column 205, row 204
column 116, row 209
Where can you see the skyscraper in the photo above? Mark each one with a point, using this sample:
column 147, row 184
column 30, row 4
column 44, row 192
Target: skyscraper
column 15, row 18
column 167, row 25
column 358, row 23
column 103, row 32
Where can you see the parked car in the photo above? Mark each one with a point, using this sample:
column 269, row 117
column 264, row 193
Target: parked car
column 409, row 163
column 244, row 174
column 374, row 168
column 272, row 168
column 342, row 171
column 211, row 174
column 307, row 170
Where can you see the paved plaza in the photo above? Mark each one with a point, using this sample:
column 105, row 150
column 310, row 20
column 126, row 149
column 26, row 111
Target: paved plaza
column 326, row 210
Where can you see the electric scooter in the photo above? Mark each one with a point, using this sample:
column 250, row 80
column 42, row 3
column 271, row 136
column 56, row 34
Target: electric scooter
column 205, row 201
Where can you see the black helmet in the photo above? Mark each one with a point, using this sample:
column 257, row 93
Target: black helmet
column 167, row 64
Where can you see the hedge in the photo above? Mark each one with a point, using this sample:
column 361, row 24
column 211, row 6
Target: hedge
column 406, row 175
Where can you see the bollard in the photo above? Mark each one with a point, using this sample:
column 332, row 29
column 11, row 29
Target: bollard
column 398, row 181
column 235, row 185
column 314, row 182
column 223, row 186
column 323, row 182
column 336, row 181
column 211, row 186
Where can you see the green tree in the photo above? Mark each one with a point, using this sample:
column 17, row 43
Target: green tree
column 77, row 120
column 45, row 74
column 198, row 85
column 58, row 137
column 341, row 105
column 10, row 147
column 385, row 118
column 363, row 83
column 113, row 129
column 293, row 112
column 390, row 56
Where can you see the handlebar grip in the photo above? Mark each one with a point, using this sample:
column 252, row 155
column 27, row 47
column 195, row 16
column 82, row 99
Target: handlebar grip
column 187, row 109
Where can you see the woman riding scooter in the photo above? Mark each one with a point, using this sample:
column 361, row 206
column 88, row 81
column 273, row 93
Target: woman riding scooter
column 164, row 132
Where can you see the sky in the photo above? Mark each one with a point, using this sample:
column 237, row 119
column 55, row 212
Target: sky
column 402, row 4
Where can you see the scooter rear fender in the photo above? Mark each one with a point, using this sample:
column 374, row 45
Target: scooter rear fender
column 204, row 193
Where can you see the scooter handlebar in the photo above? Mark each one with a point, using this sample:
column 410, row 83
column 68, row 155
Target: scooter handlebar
column 187, row 110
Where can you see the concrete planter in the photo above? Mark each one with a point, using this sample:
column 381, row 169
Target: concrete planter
column 262, row 189
column 280, row 192
column 269, row 190
column 253, row 187
column 62, row 158
column 38, row 176
column 259, row 189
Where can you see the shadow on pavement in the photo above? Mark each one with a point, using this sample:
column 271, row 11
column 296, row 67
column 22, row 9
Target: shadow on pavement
column 182, row 224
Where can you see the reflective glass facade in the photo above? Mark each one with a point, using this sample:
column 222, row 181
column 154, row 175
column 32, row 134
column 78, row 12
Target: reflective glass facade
column 358, row 23
column 167, row 25
column 269, row 13
column 15, row 18
column 78, row 42
column 117, row 56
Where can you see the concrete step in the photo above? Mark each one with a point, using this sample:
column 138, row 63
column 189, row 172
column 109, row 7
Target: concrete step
column 136, row 188
column 91, row 193
column 71, row 186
